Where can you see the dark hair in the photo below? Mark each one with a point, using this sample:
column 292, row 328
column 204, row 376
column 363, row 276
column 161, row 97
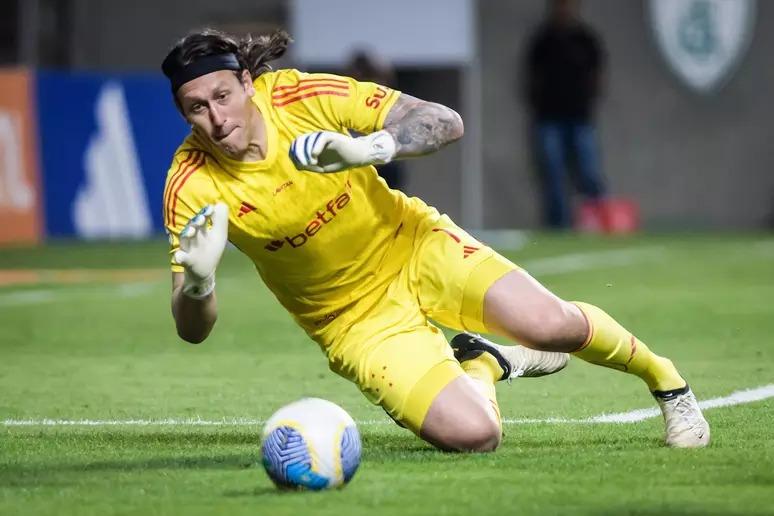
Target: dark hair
column 253, row 54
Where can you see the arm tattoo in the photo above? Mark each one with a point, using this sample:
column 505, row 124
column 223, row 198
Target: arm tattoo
column 421, row 127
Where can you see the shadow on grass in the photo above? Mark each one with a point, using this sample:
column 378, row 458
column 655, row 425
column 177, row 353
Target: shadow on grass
column 51, row 474
column 263, row 491
column 143, row 439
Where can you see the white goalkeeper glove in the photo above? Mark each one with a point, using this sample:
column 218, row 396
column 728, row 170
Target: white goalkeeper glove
column 202, row 242
column 329, row 151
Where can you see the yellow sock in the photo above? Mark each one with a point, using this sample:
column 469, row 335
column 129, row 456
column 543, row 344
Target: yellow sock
column 609, row 344
column 485, row 370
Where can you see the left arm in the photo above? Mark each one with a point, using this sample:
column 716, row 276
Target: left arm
column 420, row 127
column 412, row 127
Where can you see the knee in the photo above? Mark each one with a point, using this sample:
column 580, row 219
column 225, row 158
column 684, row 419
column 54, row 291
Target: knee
column 483, row 436
column 476, row 435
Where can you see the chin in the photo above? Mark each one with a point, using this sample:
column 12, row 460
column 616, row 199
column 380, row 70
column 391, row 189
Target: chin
column 228, row 147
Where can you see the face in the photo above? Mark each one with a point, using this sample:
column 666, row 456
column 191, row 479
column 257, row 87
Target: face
column 218, row 105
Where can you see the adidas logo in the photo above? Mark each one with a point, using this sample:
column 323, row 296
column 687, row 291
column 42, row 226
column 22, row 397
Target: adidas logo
column 246, row 208
column 468, row 250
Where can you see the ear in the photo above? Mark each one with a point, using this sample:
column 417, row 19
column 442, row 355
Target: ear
column 247, row 82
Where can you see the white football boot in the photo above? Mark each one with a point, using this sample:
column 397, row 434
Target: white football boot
column 516, row 361
column 685, row 425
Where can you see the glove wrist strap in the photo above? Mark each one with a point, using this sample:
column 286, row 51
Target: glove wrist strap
column 382, row 147
column 196, row 288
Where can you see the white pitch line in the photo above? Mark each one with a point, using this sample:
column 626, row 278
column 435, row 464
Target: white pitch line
column 575, row 262
column 40, row 296
column 735, row 398
column 27, row 297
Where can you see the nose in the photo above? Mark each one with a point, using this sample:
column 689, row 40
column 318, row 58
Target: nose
column 216, row 117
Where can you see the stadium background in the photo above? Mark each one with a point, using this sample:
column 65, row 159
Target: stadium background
column 103, row 410
column 690, row 159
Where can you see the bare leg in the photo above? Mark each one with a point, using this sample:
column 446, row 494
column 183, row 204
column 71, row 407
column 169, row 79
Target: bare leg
column 519, row 307
column 461, row 418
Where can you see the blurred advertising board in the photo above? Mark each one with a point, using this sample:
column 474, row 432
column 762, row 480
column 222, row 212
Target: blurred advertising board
column 106, row 144
column 19, row 186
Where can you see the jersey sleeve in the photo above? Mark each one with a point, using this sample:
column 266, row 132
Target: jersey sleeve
column 188, row 189
column 335, row 100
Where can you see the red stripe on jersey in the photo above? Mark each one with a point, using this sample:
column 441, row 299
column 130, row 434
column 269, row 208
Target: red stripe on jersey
column 312, row 94
column 286, row 94
column 179, row 173
column 325, row 82
column 196, row 166
column 173, row 177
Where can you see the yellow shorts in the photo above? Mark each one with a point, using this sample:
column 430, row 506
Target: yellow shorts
column 389, row 348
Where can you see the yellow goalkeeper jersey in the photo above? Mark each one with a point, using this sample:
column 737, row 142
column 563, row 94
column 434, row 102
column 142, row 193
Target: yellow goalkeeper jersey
column 319, row 241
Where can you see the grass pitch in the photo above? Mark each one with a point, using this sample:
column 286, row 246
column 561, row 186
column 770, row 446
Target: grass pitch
column 95, row 343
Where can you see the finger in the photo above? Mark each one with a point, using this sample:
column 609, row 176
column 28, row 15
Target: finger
column 334, row 167
column 181, row 258
column 220, row 218
column 204, row 219
column 308, row 145
column 312, row 168
column 318, row 145
column 297, row 150
column 198, row 221
column 188, row 231
column 292, row 153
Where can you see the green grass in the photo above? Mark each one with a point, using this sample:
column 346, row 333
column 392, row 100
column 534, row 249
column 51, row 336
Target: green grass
column 109, row 352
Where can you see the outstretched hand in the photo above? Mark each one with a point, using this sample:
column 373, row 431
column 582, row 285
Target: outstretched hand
column 329, row 151
column 202, row 242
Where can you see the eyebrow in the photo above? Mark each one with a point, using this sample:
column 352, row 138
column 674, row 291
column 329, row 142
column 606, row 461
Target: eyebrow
column 218, row 86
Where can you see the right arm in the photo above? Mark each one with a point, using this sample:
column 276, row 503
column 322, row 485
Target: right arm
column 199, row 248
column 197, row 240
column 194, row 318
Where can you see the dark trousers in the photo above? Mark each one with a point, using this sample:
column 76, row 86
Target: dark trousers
column 559, row 144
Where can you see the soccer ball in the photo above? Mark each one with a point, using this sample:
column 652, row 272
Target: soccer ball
column 310, row 444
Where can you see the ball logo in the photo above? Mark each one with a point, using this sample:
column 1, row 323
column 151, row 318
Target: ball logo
column 702, row 41
column 322, row 217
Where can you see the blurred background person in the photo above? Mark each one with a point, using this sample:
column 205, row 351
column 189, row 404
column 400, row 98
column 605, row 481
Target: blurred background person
column 366, row 66
column 563, row 73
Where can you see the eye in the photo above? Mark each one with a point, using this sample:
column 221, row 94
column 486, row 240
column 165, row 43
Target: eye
column 196, row 108
column 223, row 95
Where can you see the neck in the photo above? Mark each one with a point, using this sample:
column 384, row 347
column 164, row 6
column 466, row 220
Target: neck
column 257, row 146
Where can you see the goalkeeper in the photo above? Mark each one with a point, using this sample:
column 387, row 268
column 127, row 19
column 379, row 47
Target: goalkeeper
column 270, row 166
